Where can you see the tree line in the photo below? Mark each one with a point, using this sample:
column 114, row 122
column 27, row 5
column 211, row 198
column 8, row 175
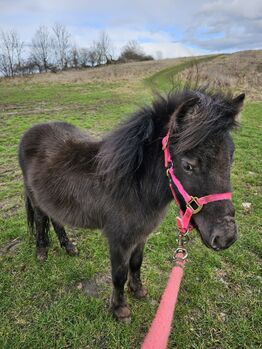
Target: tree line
column 52, row 49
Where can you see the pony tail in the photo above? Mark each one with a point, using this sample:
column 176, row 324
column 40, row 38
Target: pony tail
column 30, row 216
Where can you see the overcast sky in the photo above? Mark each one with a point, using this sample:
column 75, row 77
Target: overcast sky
column 174, row 27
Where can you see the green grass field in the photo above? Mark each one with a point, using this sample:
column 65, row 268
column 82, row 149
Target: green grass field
column 64, row 303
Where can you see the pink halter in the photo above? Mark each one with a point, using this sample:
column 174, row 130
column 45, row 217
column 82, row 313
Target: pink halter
column 193, row 204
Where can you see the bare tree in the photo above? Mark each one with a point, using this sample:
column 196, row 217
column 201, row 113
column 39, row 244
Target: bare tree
column 90, row 57
column 83, row 57
column 93, row 56
column 61, row 45
column 29, row 67
column 11, row 48
column 41, row 49
column 19, row 48
column 132, row 51
column 133, row 46
column 104, row 49
column 74, row 57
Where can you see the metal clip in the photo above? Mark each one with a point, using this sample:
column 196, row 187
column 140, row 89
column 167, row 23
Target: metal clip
column 182, row 251
column 182, row 239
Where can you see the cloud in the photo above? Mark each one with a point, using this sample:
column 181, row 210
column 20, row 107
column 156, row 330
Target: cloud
column 169, row 50
column 113, row 12
column 227, row 26
column 153, row 43
column 174, row 27
column 150, row 23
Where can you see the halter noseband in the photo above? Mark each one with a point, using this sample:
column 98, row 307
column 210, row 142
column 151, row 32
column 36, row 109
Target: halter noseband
column 193, row 204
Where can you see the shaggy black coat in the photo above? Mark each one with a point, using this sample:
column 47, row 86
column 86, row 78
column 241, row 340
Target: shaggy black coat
column 118, row 184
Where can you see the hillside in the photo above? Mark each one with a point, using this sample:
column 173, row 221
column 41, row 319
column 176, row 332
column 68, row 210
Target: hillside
column 112, row 72
column 240, row 71
column 64, row 303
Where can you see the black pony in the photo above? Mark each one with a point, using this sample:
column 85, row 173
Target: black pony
column 119, row 184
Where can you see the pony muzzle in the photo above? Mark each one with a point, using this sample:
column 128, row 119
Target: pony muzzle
column 220, row 241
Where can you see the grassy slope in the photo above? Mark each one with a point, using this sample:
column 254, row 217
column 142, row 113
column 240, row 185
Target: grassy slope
column 166, row 78
column 47, row 307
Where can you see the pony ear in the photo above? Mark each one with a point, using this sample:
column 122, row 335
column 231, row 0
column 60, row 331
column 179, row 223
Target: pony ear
column 239, row 101
column 238, row 104
column 176, row 118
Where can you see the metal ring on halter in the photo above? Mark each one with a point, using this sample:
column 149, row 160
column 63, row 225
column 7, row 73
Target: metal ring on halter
column 181, row 250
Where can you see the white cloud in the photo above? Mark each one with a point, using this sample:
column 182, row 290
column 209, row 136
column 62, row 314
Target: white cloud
column 169, row 50
column 130, row 12
column 242, row 8
column 207, row 25
column 227, row 26
column 153, row 42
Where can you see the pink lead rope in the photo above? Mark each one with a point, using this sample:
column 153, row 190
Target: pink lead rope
column 157, row 336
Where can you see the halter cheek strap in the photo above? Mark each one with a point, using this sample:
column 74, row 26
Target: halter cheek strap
column 193, row 204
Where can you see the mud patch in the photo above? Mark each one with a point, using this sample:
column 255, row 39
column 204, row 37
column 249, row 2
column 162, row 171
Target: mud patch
column 10, row 247
column 10, row 206
column 94, row 287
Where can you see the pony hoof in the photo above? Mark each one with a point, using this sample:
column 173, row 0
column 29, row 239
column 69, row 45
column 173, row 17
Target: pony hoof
column 41, row 254
column 122, row 314
column 139, row 292
column 71, row 249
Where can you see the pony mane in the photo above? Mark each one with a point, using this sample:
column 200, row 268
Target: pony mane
column 203, row 115
column 122, row 151
column 192, row 115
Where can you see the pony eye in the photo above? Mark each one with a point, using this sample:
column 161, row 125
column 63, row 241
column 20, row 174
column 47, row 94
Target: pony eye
column 187, row 167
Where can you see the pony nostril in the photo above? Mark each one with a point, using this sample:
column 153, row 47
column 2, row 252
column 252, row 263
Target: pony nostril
column 221, row 241
column 215, row 243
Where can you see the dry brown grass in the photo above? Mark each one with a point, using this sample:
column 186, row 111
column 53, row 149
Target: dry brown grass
column 114, row 72
column 241, row 72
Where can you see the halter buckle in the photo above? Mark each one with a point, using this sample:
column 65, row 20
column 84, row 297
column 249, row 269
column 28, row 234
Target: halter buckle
column 194, row 205
column 169, row 166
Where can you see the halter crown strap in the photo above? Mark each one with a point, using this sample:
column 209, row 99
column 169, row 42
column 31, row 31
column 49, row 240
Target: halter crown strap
column 193, row 204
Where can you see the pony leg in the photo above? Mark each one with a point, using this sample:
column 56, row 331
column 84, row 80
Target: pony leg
column 63, row 239
column 42, row 238
column 119, row 264
column 134, row 281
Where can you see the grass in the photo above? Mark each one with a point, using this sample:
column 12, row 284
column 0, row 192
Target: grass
column 49, row 306
column 167, row 78
column 240, row 72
